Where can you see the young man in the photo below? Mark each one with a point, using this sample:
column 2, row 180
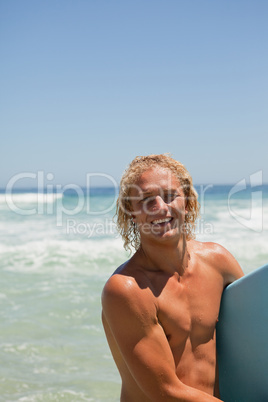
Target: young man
column 160, row 308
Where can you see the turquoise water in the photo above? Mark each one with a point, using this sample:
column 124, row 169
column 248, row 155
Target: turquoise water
column 56, row 255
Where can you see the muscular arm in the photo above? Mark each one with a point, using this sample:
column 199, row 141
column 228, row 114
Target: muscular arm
column 225, row 262
column 132, row 317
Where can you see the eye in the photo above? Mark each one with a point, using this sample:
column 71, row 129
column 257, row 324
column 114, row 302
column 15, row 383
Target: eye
column 148, row 198
column 169, row 197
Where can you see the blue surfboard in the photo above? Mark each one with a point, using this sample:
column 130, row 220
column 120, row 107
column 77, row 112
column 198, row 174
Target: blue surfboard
column 242, row 339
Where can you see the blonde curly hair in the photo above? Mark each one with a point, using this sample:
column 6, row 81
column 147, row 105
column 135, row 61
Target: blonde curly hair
column 127, row 229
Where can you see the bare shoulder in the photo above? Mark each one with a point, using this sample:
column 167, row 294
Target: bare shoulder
column 220, row 258
column 120, row 285
column 125, row 292
column 123, row 282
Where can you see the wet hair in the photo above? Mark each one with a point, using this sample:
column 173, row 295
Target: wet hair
column 125, row 225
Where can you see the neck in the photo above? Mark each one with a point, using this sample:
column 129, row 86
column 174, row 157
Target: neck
column 168, row 258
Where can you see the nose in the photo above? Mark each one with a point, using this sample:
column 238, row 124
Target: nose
column 160, row 204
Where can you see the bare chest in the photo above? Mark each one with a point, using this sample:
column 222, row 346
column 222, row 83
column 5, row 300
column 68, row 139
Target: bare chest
column 189, row 309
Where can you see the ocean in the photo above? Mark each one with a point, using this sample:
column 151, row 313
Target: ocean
column 56, row 252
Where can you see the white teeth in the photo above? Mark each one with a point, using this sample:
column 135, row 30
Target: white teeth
column 161, row 220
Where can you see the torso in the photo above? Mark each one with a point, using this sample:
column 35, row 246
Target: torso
column 187, row 310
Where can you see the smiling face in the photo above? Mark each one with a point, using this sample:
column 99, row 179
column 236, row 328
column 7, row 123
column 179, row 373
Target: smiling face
column 158, row 205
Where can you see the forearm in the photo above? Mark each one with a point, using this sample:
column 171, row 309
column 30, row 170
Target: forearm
column 174, row 390
column 189, row 394
column 169, row 390
column 182, row 393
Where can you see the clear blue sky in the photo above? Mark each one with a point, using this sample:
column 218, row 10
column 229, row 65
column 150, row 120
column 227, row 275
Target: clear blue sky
column 87, row 85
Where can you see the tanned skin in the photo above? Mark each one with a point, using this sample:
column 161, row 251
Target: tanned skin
column 161, row 307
